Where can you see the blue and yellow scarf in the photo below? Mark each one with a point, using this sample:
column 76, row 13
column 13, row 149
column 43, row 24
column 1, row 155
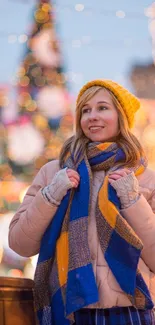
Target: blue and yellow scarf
column 64, row 278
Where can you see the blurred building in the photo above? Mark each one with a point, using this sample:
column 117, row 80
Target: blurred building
column 143, row 81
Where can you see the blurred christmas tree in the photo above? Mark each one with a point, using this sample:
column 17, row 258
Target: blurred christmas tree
column 44, row 119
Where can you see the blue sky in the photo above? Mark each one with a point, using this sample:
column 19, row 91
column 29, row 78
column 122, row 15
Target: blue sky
column 109, row 45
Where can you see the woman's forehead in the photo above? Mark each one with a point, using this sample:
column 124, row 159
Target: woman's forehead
column 101, row 96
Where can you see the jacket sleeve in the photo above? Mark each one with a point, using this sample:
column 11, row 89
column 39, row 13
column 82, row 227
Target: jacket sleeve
column 31, row 219
column 141, row 217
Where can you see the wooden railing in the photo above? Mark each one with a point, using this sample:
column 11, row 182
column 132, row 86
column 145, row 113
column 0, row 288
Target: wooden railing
column 16, row 301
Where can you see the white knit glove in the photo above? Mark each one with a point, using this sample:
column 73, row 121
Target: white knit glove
column 58, row 188
column 127, row 189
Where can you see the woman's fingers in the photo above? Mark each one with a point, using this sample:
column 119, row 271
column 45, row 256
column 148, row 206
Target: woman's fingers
column 119, row 173
column 114, row 177
column 73, row 176
column 74, row 182
column 73, row 173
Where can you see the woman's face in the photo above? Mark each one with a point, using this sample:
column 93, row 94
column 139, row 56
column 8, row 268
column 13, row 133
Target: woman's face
column 99, row 118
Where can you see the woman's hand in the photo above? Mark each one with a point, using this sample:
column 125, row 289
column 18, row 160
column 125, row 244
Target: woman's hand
column 126, row 185
column 63, row 180
column 73, row 177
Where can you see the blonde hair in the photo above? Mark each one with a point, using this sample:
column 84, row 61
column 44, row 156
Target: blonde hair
column 125, row 140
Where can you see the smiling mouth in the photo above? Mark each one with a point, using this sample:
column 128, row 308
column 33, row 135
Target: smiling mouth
column 94, row 129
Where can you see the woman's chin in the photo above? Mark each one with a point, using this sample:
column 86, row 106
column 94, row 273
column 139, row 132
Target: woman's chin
column 98, row 139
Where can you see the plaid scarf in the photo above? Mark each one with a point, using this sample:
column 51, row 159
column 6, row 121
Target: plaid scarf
column 64, row 278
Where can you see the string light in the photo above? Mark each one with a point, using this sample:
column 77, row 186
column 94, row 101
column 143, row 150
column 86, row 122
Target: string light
column 79, row 7
column 22, row 38
column 120, row 14
column 88, row 41
column 12, row 38
column 106, row 43
column 94, row 10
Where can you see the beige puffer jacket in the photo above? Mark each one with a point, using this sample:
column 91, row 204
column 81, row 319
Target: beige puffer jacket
column 35, row 213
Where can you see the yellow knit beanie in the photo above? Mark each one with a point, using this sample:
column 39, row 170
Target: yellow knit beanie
column 128, row 101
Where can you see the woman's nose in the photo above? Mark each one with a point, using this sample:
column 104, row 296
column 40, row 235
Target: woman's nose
column 93, row 115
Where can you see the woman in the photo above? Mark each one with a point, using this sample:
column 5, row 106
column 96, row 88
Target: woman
column 90, row 217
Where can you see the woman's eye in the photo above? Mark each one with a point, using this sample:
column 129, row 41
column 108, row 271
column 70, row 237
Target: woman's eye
column 85, row 110
column 102, row 108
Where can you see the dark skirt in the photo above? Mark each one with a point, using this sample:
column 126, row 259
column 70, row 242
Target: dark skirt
column 115, row 316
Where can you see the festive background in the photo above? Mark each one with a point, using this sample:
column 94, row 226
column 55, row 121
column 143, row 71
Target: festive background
column 37, row 98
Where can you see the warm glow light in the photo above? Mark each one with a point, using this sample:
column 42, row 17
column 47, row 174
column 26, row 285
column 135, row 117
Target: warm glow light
column 46, row 7
column 23, row 98
column 21, row 72
column 10, row 190
column 15, row 273
column 36, row 72
column 24, row 81
column 22, row 194
column 34, row 260
column 1, row 253
column 41, row 16
column 30, row 59
column 33, row 141
column 31, row 106
column 39, row 81
column 40, row 122
column 4, row 101
column 149, row 136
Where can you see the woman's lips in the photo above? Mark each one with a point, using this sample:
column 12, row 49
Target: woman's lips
column 95, row 129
